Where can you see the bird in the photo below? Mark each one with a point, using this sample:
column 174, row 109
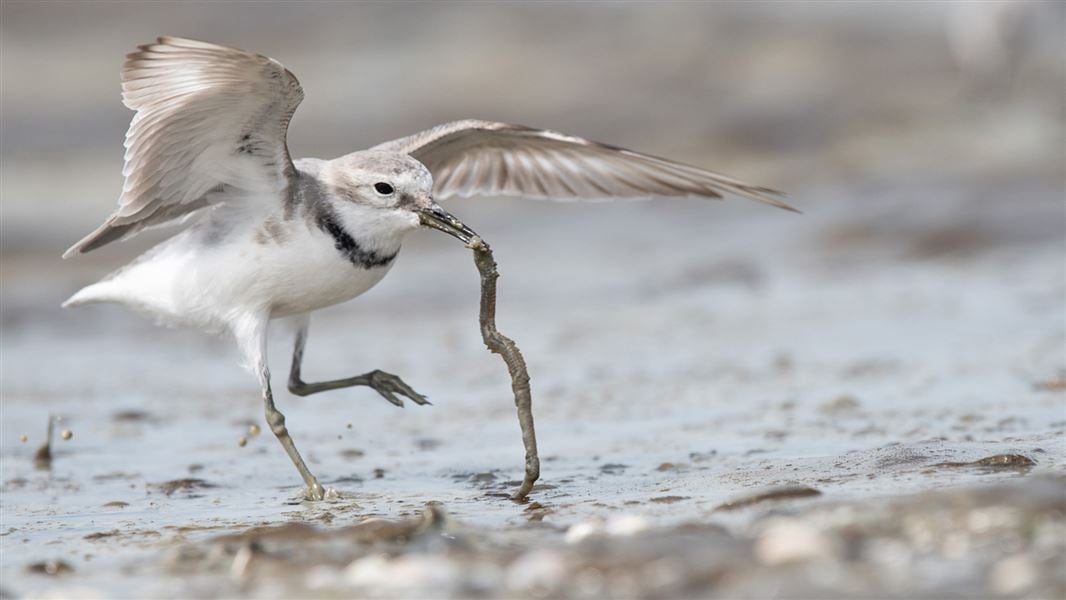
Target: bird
column 263, row 238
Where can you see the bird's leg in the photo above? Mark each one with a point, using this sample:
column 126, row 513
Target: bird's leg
column 276, row 420
column 388, row 385
column 255, row 344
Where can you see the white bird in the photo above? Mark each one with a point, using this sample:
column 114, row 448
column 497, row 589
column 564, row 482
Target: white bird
column 268, row 238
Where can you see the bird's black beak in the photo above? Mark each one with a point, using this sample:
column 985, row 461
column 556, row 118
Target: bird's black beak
column 437, row 218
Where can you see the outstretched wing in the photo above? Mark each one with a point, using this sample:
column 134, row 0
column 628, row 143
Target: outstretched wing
column 473, row 157
column 210, row 126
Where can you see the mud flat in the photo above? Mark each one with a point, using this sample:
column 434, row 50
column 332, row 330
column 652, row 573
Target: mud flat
column 810, row 422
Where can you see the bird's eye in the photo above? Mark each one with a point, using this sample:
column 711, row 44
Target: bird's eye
column 383, row 188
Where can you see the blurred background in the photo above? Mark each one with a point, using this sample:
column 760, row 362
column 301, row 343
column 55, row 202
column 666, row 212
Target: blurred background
column 921, row 294
column 795, row 95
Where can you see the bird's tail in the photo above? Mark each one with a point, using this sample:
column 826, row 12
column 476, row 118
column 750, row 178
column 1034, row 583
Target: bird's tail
column 102, row 291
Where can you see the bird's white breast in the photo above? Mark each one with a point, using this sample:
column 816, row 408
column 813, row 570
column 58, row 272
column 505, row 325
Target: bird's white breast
column 223, row 268
column 307, row 272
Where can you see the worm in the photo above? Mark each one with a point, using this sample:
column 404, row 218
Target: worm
column 500, row 344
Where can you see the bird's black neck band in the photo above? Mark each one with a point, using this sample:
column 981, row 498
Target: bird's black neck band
column 343, row 241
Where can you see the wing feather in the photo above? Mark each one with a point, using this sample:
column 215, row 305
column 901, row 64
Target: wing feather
column 474, row 157
column 209, row 119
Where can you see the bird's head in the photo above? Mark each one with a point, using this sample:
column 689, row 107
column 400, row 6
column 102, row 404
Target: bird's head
column 391, row 193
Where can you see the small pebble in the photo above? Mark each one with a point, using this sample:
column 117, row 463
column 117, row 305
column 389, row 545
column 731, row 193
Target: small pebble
column 253, row 430
column 67, row 434
column 539, row 572
column 616, row 525
column 349, row 425
column 1014, row 575
column 844, row 404
column 789, row 540
column 242, row 441
column 51, row 567
column 23, row 438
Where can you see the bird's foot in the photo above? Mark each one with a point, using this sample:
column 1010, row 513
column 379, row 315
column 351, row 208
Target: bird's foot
column 392, row 387
column 316, row 492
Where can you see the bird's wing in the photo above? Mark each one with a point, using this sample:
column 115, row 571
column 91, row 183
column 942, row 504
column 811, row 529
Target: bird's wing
column 473, row 157
column 210, row 126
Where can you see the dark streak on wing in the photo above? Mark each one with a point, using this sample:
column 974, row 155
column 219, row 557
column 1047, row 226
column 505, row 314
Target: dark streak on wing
column 270, row 231
column 111, row 231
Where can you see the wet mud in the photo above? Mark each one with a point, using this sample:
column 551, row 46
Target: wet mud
column 1012, row 535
